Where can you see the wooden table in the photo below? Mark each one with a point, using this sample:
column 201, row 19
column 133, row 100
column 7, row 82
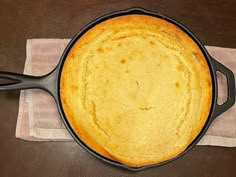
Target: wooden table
column 214, row 22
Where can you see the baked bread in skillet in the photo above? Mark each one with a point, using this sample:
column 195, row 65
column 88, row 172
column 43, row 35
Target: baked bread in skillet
column 136, row 89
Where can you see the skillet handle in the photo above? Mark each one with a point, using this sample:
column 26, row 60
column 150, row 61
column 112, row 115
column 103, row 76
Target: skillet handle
column 47, row 82
column 219, row 109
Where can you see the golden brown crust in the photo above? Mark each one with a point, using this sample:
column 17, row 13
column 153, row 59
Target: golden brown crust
column 136, row 89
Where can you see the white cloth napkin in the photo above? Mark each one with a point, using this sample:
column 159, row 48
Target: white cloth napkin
column 39, row 120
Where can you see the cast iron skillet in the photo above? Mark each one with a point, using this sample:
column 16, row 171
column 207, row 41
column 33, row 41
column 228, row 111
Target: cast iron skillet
column 51, row 84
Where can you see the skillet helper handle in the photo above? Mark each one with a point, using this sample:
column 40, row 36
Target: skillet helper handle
column 21, row 81
column 219, row 109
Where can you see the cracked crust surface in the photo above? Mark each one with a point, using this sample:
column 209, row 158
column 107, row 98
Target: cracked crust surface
column 136, row 89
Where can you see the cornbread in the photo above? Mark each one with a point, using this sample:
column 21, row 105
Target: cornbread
column 136, row 89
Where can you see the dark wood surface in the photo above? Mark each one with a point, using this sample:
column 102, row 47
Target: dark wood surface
column 214, row 22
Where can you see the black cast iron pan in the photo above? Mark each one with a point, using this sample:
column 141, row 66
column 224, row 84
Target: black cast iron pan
column 51, row 83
